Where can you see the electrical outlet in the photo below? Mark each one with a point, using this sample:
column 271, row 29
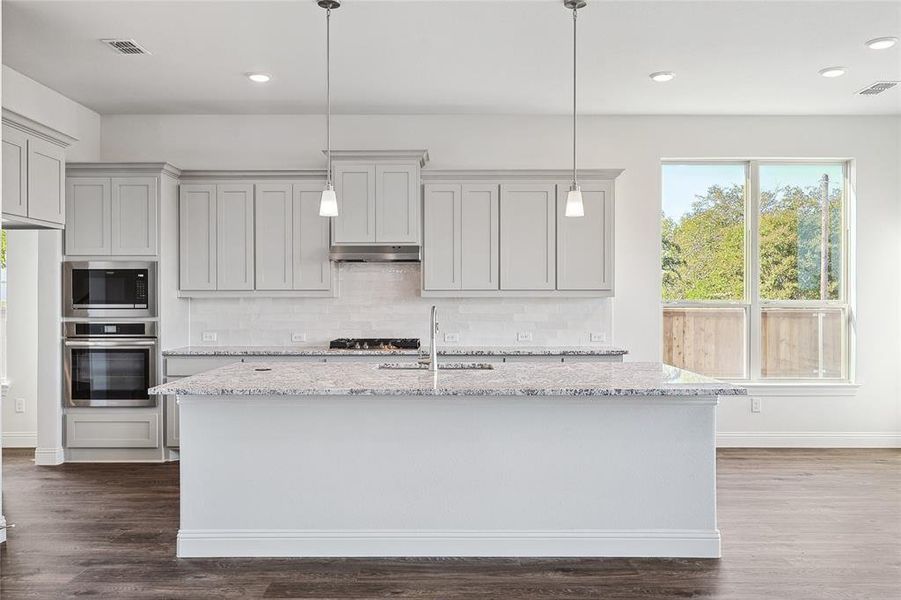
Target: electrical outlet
column 452, row 338
column 20, row 405
column 524, row 336
column 208, row 336
column 599, row 338
column 755, row 405
column 298, row 337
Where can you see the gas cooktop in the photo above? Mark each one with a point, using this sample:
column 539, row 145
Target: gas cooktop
column 375, row 344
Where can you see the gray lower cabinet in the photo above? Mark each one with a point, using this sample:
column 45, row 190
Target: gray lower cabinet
column 112, row 428
column 528, row 236
column 34, row 179
column 116, row 216
column 461, row 237
column 585, row 244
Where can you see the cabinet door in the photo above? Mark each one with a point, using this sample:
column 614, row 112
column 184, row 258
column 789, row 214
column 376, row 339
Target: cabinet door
column 585, row 244
column 310, row 247
column 396, row 204
column 234, row 235
column 441, row 237
column 46, row 181
column 88, row 216
column 197, row 237
column 355, row 187
column 527, row 239
column 479, row 237
column 273, row 234
column 135, row 215
column 15, row 172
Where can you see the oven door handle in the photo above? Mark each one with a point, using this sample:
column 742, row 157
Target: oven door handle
column 124, row 345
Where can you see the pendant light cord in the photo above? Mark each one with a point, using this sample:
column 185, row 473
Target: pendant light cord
column 328, row 95
column 575, row 17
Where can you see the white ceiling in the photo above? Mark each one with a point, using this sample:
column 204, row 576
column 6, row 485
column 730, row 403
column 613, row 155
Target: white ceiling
column 459, row 56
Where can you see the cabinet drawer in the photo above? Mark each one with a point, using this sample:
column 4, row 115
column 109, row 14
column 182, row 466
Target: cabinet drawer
column 115, row 428
column 599, row 358
column 182, row 366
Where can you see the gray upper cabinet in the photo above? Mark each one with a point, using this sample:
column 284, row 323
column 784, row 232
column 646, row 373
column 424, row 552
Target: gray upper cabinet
column 116, row 216
column 528, row 236
column 34, row 174
column 378, row 197
column 15, row 172
column 46, row 181
column 197, row 237
column 88, row 216
column 273, row 237
column 135, row 216
column 256, row 238
column 312, row 268
column 585, row 244
column 460, row 237
column 234, row 227
column 355, row 187
column 397, row 204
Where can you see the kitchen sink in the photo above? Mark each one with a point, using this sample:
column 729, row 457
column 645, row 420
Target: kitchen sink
column 441, row 366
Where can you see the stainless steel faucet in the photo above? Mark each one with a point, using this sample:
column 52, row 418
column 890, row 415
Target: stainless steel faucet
column 433, row 345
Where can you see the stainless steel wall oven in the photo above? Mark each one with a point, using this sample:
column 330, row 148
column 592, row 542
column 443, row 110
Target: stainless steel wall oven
column 109, row 364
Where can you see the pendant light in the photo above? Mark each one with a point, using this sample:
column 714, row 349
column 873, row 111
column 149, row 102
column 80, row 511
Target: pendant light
column 328, row 203
column 574, row 206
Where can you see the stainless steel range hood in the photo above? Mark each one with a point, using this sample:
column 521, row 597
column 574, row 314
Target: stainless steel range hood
column 374, row 254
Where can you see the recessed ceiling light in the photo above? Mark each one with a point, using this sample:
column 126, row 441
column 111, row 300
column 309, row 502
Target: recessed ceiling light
column 833, row 71
column 662, row 76
column 882, row 43
column 259, row 77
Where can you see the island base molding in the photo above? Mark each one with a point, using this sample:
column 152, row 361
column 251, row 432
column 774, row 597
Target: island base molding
column 380, row 543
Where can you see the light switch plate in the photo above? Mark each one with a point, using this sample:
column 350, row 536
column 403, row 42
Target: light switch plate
column 298, row 337
column 452, row 337
column 20, row 405
column 598, row 338
column 208, row 336
column 755, row 405
column 524, row 336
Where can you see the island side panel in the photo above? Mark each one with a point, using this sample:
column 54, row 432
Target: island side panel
column 447, row 476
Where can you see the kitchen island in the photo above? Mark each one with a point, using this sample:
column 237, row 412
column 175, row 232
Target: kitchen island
column 520, row 459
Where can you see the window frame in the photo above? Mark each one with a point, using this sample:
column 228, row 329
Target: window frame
column 752, row 303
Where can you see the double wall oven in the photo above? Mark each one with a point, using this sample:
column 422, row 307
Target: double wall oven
column 110, row 352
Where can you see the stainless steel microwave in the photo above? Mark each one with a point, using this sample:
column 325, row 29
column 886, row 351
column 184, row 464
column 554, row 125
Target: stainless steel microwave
column 109, row 289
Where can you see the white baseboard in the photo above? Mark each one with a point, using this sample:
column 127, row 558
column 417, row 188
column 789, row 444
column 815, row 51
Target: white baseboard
column 20, row 439
column 49, row 457
column 807, row 439
column 382, row 543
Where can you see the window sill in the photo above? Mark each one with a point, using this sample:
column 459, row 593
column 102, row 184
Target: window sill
column 809, row 389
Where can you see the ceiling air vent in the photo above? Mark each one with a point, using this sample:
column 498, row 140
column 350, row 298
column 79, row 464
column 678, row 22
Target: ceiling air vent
column 877, row 88
column 129, row 47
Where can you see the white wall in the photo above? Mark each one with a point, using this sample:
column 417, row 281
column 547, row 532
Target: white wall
column 20, row 429
column 29, row 98
column 636, row 144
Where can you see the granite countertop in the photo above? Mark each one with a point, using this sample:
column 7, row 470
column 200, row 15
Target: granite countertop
column 508, row 379
column 443, row 351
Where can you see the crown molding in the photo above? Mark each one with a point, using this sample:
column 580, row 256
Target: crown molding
column 370, row 155
column 98, row 169
column 254, row 174
column 37, row 129
column 514, row 175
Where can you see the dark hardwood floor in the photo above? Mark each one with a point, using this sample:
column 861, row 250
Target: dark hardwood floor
column 796, row 524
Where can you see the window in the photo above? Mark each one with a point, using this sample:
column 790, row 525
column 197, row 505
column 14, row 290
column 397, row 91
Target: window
column 754, row 269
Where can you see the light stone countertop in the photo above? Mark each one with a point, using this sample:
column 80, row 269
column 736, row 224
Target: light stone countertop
column 187, row 351
column 508, row 379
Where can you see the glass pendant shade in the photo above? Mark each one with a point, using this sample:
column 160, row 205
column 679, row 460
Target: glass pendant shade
column 574, row 206
column 328, row 203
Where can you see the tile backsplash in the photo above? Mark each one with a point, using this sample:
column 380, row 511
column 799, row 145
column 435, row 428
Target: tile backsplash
column 383, row 300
